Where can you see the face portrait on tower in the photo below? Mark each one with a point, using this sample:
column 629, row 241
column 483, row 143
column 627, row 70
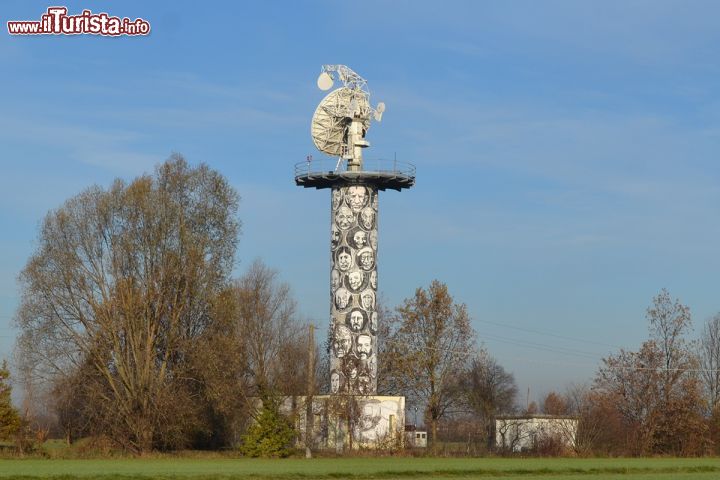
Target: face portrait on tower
column 367, row 300
column 356, row 320
column 366, row 259
column 367, row 218
column 344, row 218
column 334, row 237
column 364, row 346
column 355, row 281
column 357, row 238
column 364, row 384
column 356, row 197
column 373, row 240
column 373, row 279
column 373, row 322
column 335, row 381
column 343, row 259
column 335, row 280
column 374, row 203
column 336, row 198
column 372, row 366
column 342, row 341
column 343, row 299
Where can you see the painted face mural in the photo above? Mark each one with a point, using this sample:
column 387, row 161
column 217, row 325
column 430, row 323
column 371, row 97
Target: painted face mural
column 334, row 237
column 356, row 197
column 356, row 320
column 343, row 341
column 360, row 239
column 344, row 218
column 344, row 259
column 367, row 300
column 342, row 299
column 353, row 286
column 334, row 280
column 364, row 384
column 355, row 280
column 372, row 366
column 366, row 259
column 373, row 240
column 334, row 382
column 336, row 199
column 367, row 218
column 364, row 346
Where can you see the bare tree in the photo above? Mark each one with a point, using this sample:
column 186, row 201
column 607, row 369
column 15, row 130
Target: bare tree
column 656, row 390
column 555, row 404
column 710, row 360
column 273, row 338
column 488, row 390
column 669, row 323
column 123, row 282
column 595, row 419
column 430, row 347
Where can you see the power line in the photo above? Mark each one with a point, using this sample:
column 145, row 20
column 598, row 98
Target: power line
column 553, row 350
column 545, row 347
column 540, row 332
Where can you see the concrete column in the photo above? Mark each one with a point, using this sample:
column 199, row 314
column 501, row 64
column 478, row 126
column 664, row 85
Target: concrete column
column 353, row 290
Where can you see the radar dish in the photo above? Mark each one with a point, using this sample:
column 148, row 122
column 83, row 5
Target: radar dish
column 332, row 117
column 379, row 111
column 325, row 81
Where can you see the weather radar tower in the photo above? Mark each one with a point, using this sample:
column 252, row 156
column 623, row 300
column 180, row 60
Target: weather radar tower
column 338, row 129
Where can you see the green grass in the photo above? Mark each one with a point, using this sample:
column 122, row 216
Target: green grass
column 364, row 468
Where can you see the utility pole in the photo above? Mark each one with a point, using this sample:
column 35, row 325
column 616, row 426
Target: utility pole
column 309, row 415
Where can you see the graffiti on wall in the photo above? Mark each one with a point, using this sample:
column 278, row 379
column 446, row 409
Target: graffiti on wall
column 353, row 289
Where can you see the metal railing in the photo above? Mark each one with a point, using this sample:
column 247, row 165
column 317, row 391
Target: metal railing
column 325, row 166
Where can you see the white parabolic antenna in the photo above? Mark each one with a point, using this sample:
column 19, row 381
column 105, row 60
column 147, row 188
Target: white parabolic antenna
column 331, row 120
column 343, row 117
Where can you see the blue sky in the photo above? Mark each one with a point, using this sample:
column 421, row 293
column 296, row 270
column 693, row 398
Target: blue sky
column 566, row 152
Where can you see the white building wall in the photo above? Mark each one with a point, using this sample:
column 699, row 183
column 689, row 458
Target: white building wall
column 523, row 433
column 379, row 422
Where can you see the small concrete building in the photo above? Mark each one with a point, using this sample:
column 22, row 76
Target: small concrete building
column 415, row 438
column 341, row 422
column 519, row 433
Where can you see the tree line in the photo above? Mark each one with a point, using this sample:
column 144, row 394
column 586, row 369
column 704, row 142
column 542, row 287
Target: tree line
column 133, row 329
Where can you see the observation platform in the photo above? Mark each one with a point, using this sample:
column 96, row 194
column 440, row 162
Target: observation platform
column 328, row 173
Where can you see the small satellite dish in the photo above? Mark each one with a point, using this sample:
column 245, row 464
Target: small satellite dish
column 377, row 115
column 325, row 81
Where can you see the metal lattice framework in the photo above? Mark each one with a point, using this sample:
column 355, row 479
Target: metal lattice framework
column 347, row 75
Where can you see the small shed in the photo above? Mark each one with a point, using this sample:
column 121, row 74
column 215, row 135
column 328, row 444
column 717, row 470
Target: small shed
column 415, row 438
column 519, row 433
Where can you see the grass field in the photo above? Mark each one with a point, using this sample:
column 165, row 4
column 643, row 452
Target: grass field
column 366, row 468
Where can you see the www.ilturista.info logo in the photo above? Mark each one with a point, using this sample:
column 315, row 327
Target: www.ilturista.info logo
column 57, row 22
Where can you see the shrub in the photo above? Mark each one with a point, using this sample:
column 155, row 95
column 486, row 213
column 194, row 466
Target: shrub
column 271, row 435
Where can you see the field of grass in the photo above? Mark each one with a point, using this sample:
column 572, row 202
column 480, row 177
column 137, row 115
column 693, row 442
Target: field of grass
column 365, row 468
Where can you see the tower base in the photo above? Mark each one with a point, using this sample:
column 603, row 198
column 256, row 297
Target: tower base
column 345, row 422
